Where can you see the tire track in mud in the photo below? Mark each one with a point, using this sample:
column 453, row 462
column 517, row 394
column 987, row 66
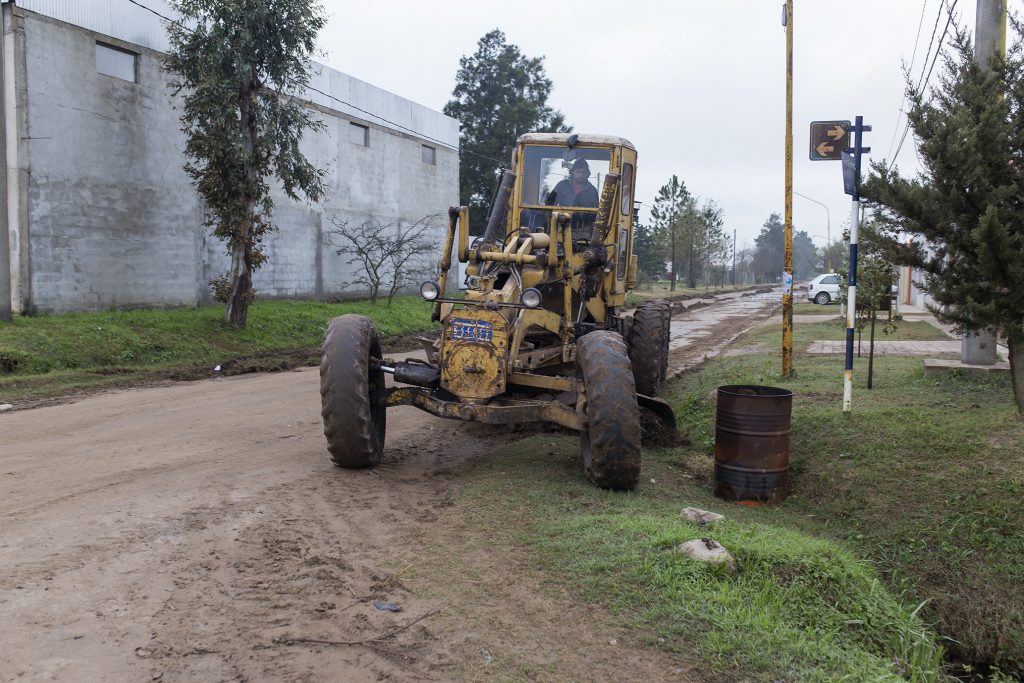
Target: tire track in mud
column 195, row 532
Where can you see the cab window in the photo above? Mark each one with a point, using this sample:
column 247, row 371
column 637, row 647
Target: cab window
column 562, row 175
column 627, row 189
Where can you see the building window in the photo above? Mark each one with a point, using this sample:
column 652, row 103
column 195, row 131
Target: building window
column 360, row 135
column 429, row 155
column 116, row 62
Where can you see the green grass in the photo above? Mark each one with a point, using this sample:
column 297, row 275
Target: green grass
column 836, row 329
column 924, row 478
column 660, row 290
column 802, row 307
column 800, row 608
column 46, row 355
column 901, row 537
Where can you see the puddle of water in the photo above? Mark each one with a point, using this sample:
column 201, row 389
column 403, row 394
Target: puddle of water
column 693, row 325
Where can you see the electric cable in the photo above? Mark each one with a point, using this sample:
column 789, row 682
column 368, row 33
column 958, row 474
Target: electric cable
column 418, row 134
column 926, row 78
column 910, row 69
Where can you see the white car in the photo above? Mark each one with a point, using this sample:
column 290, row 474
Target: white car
column 824, row 289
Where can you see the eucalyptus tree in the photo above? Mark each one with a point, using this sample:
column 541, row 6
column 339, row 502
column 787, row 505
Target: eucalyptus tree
column 241, row 67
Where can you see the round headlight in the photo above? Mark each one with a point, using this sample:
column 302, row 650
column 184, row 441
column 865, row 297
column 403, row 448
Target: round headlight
column 430, row 291
column 531, row 297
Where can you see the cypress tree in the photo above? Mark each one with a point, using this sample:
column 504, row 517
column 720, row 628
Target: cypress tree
column 964, row 213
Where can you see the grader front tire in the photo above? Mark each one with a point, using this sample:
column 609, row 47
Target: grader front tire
column 354, row 421
column 611, row 445
column 648, row 346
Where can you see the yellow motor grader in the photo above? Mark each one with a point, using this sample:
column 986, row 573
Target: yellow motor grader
column 540, row 335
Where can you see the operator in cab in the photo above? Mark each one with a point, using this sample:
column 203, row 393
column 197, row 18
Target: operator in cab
column 577, row 190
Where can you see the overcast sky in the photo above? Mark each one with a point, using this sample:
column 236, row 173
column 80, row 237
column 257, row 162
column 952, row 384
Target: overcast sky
column 698, row 87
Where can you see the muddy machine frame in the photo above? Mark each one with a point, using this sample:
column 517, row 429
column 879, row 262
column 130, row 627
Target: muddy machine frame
column 540, row 335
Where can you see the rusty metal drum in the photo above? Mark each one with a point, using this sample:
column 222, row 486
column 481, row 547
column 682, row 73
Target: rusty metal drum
column 752, row 428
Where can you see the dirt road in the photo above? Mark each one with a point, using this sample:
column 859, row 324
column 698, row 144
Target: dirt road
column 197, row 532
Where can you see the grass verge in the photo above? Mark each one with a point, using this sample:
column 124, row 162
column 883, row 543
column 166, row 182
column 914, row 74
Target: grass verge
column 53, row 355
column 799, row 608
column 900, row 540
column 924, row 479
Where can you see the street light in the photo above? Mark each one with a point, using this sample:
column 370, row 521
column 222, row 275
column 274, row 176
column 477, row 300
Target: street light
column 828, row 228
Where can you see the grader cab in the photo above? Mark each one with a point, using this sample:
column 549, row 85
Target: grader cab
column 540, row 335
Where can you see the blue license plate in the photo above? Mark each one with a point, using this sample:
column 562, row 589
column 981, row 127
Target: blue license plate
column 471, row 330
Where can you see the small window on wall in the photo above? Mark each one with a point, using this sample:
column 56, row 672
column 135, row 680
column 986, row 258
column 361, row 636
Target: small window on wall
column 116, row 62
column 358, row 134
column 627, row 188
column 429, row 155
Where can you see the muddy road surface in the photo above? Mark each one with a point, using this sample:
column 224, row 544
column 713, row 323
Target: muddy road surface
column 197, row 532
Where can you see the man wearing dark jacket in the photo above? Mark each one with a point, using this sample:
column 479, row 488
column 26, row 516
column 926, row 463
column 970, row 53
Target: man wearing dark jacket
column 577, row 190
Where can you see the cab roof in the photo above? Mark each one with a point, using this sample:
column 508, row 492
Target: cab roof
column 581, row 139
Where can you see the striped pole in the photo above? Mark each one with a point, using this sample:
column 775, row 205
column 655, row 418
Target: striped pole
column 851, row 292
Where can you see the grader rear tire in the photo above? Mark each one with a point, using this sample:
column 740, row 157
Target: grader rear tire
column 648, row 346
column 354, row 421
column 611, row 445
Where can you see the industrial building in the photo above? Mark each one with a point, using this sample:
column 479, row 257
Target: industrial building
column 96, row 210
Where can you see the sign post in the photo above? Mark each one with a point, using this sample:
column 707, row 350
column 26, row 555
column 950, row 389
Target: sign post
column 852, row 189
column 829, row 142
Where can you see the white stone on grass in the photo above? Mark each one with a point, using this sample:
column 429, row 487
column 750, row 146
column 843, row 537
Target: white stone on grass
column 698, row 516
column 709, row 551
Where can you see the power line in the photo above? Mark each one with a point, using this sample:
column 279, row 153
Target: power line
column 348, row 104
column 925, row 78
column 910, row 69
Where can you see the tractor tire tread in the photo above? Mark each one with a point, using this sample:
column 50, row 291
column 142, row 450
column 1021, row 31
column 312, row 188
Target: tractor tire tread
column 353, row 424
column 611, row 445
column 648, row 347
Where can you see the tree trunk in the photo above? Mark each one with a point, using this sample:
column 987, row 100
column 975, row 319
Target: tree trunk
column 1016, row 346
column 691, row 277
column 236, row 309
column 871, row 351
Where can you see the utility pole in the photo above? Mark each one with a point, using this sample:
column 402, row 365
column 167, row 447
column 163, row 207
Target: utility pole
column 979, row 347
column 675, row 276
column 5, row 245
column 734, row 258
column 787, row 265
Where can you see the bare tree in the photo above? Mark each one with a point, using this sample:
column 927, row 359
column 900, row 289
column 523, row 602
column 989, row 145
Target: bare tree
column 389, row 256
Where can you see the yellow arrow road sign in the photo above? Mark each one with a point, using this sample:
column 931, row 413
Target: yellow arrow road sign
column 829, row 139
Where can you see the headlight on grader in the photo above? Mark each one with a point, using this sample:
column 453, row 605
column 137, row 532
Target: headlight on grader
column 531, row 298
column 430, row 291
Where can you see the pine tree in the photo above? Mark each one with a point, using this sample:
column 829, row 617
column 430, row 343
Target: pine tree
column 499, row 95
column 965, row 211
column 668, row 214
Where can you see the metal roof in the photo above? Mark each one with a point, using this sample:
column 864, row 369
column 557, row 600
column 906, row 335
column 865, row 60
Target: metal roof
column 127, row 21
column 581, row 139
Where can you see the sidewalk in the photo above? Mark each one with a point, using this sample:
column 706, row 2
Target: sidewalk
column 898, row 348
column 890, row 348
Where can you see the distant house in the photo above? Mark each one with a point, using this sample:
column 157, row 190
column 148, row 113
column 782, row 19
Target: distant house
column 96, row 209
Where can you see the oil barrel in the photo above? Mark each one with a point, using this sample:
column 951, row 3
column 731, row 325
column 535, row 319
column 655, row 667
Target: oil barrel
column 752, row 427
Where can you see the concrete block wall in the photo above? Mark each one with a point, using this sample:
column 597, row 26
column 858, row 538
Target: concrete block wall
column 113, row 220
